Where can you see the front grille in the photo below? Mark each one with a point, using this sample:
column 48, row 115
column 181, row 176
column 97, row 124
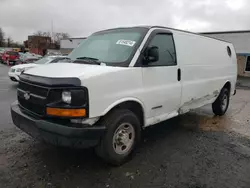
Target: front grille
column 32, row 107
column 32, row 88
column 36, row 102
column 12, row 70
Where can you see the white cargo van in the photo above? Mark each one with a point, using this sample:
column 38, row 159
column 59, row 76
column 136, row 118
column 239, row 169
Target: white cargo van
column 121, row 81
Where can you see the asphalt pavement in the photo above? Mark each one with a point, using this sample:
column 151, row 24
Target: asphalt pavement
column 195, row 150
column 7, row 96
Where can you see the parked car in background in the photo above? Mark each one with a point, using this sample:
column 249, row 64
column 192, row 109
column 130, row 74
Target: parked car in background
column 28, row 58
column 15, row 71
column 28, row 55
column 10, row 57
column 53, row 52
column 34, row 55
column 38, row 56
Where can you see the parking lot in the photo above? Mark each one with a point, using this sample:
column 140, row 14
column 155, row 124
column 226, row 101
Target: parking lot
column 195, row 150
column 7, row 96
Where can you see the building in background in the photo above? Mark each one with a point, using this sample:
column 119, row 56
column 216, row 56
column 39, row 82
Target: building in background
column 39, row 44
column 67, row 45
column 241, row 42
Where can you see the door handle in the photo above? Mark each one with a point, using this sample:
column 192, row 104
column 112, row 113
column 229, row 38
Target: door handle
column 179, row 74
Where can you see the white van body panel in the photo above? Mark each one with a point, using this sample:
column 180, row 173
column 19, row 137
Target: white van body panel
column 205, row 68
column 66, row 70
column 110, row 89
column 162, row 91
column 107, row 85
column 110, row 86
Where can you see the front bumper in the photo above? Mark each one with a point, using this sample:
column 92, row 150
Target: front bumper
column 13, row 76
column 56, row 134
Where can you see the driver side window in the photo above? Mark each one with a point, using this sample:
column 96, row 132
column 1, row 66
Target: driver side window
column 165, row 44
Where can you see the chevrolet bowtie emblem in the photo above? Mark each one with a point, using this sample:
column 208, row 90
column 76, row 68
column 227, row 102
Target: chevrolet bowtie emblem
column 27, row 95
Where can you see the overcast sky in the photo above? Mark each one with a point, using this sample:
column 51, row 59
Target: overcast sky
column 79, row 18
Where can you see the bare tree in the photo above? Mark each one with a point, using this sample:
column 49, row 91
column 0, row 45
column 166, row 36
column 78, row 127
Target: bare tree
column 38, row 33
column 56, row 37
column 16, row 45
column 43, row 33
column 9, row 42
column 1, row 37
column 59, row 36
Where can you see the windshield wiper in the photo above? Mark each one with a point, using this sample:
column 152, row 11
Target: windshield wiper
column 88, row 60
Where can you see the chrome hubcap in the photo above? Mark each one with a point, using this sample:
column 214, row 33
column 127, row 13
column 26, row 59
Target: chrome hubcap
column 123, row 138
column 224, row 102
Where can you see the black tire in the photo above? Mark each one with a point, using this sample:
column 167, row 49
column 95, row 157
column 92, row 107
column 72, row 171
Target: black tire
column 221, row 104
column 113, row 121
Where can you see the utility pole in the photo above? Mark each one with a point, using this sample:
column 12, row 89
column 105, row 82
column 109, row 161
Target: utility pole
column 52, row 31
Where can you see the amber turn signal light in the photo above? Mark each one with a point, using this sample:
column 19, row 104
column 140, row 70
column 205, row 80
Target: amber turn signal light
column 65, row 112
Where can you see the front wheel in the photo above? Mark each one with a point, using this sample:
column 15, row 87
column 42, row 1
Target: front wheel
column 221, row 104
column 122, row 136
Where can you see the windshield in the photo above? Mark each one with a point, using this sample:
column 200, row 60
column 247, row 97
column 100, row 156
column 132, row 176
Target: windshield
column 43, row 60
column 112, row 47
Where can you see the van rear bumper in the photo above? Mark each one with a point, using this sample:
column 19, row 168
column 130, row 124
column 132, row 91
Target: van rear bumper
column 56, row 134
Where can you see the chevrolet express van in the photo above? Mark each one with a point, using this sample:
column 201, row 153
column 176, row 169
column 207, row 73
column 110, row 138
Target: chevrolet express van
column 119, row 82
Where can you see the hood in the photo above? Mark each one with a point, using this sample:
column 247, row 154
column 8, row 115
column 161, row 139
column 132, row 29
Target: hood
column 24, row 66
column 64, row 70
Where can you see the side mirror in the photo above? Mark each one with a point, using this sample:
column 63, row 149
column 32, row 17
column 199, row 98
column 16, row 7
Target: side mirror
column 151, row 54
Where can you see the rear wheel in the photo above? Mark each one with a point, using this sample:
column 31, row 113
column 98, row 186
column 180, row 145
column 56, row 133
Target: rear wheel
column 221, row 104
column 122, row 136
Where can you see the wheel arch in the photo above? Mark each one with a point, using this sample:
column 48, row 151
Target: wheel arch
column 133, row 104
column 228, row 85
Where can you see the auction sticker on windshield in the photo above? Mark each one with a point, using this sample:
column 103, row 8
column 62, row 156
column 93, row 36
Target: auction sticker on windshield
column 126, row 42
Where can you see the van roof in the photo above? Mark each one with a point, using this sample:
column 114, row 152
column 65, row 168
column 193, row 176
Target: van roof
column 225, row 32
column 163, row 27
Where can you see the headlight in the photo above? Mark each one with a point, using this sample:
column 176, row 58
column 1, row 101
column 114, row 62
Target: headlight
column 73, row 97
column 20, row 70
column 66, row 97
